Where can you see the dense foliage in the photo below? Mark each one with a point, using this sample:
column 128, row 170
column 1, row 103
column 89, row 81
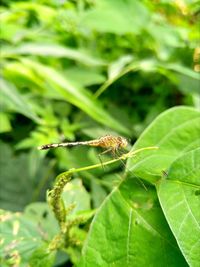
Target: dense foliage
column 78, row 70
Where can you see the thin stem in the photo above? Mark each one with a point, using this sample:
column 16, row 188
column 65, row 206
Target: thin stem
column 123, row 157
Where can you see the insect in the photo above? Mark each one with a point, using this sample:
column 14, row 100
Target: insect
column 109, row 142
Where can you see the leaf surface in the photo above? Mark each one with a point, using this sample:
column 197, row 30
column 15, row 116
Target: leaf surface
column 175, row 132
column 129, row 229
column 179, row 195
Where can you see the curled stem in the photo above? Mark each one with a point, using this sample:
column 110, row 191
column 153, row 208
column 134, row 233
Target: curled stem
column 62, row 179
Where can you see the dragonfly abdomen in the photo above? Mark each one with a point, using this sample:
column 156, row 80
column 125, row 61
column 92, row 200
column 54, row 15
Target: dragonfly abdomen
column 108, row 141
column 68, row 144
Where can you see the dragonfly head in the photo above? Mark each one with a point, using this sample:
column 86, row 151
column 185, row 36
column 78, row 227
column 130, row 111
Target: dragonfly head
column 122, row 142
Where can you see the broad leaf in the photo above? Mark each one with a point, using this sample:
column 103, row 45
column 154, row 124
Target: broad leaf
column 129, row 229
column 175, row 131
column 179, row 195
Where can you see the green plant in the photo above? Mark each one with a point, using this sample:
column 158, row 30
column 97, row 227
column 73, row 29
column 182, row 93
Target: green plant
column 78, row 70
column 134, row 226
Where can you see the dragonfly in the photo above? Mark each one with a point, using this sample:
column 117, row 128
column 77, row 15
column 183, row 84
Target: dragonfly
column 109, row 142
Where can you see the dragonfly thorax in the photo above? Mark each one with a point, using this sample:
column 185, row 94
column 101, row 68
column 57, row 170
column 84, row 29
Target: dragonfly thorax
column 109, row 141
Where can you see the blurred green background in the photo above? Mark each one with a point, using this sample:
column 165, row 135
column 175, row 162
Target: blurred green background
column 77, row 70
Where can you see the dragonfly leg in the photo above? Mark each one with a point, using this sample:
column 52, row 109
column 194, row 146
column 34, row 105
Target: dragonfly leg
column 104, row 152
column 116, row 152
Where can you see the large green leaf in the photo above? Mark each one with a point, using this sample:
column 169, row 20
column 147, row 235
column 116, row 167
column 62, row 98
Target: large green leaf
column 179, row 195
column 175, row 131
column 129, row 229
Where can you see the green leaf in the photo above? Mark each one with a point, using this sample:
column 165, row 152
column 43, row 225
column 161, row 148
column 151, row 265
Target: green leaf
column 20, row 237
column 76, row 96
column 188, row 80
column 42, row 257
column 129, row 229
column 41, row 213
column 44, row 12
column 19, row 178
column 98, row 193
column 5, row 125
column 75, row 193
column 175, row 131
column 171, row 38
column 15, row 101
column 84, row 76
column 53, row 50
column 179, row 195
column 108, row 16
column 117, row 67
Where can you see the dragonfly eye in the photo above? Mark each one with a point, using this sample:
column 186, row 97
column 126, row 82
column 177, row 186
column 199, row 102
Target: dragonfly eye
column 123, row 141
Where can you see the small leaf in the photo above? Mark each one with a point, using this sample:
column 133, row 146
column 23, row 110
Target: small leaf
column 42, row 257
column 75, row 193
column 116, row 67
column 5, row 125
